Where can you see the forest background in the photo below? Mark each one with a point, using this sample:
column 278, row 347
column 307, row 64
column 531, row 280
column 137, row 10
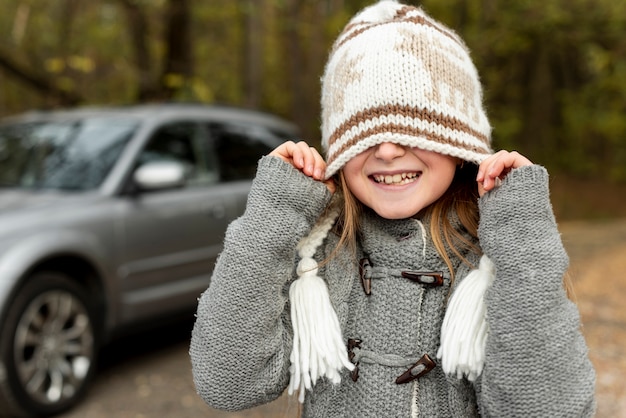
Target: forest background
column 554, row 71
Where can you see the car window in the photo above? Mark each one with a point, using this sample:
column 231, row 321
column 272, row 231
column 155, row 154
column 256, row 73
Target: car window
column 183, row 142
column 238, row 148
column 64, row 155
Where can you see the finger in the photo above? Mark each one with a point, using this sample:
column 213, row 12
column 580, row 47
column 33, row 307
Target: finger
column 483, row 168
column 320, row 165
column 309, row 156
column 303, row 157
column 481, row 189
column 519, row 160
column 314, row 164
column 496, row 167
column 506, row 162
column 486, row 170
column 296, row 154
column 486, row 167
column 288, row 152
column 306, row 160
column 495, row 172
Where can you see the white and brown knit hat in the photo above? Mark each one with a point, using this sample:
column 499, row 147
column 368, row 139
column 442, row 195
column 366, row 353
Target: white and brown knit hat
column 396, row 75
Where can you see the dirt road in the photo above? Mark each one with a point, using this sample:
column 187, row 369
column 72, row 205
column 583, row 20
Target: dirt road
column 149, row 376
column 598, row 268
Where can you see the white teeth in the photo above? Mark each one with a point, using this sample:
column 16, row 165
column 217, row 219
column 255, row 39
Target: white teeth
column 403, row 178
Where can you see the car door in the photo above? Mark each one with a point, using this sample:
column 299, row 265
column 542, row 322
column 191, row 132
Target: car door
column 172, row 237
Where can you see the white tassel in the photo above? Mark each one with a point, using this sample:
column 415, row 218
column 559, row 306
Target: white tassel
column 318, row 346
column 464, row 330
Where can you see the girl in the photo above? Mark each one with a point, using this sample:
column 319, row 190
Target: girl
column 410, row 273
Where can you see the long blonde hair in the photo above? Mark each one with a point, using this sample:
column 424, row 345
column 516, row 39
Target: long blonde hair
column 461, row 199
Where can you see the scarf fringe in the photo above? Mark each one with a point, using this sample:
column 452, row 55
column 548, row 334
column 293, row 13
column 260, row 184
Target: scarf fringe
column 318, row 347
column 465, row 329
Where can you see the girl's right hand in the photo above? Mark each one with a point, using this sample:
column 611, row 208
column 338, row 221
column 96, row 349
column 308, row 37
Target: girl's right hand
column 306, row 159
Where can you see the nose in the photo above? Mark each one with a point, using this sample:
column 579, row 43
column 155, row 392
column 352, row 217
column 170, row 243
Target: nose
column 387, row 151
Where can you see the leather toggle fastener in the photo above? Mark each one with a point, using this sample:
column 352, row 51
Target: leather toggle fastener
column 365, row 271
column 352, row 344
column 419, row 369
column 426, row 278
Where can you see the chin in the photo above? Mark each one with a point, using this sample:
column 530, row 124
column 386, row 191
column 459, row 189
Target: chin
column 393, row 214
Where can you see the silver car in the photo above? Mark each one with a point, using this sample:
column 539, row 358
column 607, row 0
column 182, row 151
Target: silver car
column 110, row 218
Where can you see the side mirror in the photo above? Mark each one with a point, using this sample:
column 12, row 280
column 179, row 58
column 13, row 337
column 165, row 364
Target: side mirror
column 158, row 175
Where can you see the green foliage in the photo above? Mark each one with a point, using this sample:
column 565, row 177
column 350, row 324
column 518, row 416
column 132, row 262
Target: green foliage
column 218, row 35
column 554, row 71
column 555, row 78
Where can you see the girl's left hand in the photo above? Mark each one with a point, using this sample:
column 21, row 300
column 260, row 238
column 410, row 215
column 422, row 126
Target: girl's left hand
column 495, row 168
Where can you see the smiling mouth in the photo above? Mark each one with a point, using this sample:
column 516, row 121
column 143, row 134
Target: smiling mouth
column 400, row 178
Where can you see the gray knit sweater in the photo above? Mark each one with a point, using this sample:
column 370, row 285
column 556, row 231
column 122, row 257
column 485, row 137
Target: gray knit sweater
column 536, row 358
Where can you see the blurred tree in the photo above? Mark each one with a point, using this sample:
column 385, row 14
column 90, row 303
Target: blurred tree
column 37, row 81
column 60, row 83
column 554, row 75
column 139, row 33
column 252, row 74
column 554, row 71
column 178, row 59
column 177, row 66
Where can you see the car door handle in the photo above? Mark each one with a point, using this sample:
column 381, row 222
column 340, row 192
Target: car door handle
column 216, row 211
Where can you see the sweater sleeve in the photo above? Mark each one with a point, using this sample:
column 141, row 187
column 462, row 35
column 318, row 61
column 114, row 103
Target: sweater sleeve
column 241, row 340
column 537, row 362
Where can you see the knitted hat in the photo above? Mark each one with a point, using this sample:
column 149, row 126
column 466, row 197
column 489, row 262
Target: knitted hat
column 396, row 75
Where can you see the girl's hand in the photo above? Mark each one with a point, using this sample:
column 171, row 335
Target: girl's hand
column 496, row 167
column 306, row 159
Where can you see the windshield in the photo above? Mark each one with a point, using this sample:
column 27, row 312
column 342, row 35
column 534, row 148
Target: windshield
column 67, row 155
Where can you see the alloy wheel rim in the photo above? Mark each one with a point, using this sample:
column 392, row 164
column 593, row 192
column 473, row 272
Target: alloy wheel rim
column 53, row 347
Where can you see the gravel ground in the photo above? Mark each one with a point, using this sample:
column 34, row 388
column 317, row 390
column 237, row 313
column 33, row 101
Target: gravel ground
column 149, row 375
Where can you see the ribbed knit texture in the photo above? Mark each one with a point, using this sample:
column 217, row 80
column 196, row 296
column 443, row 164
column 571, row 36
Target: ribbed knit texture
column 536, row 358
column 534, row 347
column 397, row 75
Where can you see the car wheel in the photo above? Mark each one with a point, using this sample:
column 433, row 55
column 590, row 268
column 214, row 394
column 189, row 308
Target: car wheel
column 48, row 346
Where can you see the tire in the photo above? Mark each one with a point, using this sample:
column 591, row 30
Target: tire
column 48, row 346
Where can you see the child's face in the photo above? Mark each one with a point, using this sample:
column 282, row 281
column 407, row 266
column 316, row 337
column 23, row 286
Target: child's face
column 397, row 181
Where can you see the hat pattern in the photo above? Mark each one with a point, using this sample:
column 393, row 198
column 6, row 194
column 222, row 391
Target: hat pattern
column 396, row 75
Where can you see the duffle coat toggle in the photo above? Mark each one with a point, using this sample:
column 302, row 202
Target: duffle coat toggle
column 419, row 369
column 367, row 272
column 356, row 354
column 352, row 344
